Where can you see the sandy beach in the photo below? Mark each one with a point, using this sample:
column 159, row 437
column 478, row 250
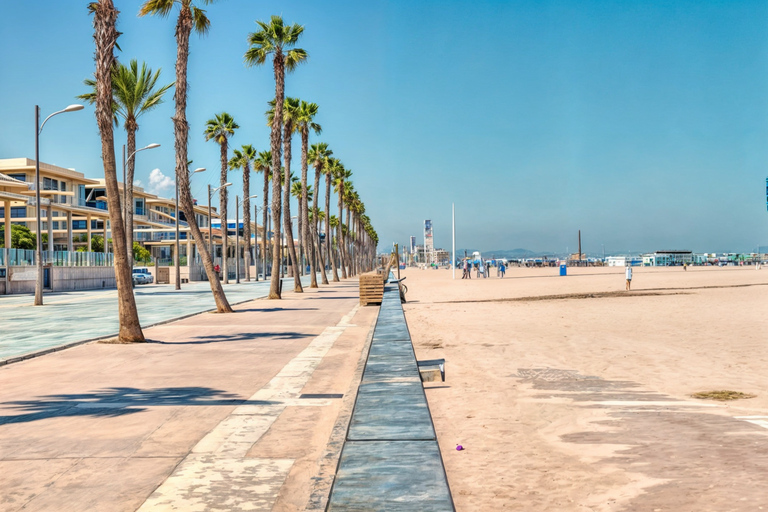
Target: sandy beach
column 569, row 393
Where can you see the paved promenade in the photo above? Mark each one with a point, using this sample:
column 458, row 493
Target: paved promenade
column 217, row 412
column 69, row 317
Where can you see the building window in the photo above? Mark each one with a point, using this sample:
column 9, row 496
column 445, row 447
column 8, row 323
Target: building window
column 20, row 177
column 79, row 224
column 18, row 212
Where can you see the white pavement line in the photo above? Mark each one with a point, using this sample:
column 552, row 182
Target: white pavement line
column 761, row 421
column 216, row 475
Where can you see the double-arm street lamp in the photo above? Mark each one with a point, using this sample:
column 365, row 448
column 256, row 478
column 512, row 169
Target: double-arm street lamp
column 224, row 227
column 239, row 202
column 38, row 246
column 176, row 259
column 125, row 185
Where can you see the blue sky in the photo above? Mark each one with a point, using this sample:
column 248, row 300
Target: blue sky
column 644, row 124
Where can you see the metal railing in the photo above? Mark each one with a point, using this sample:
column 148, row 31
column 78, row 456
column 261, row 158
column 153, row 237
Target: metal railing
column 26, row 258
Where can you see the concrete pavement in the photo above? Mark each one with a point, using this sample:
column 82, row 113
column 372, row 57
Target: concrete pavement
column 218, row 412
column 70, row 317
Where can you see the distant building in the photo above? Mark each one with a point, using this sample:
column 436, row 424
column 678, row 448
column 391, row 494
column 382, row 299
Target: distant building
column 668, row 258
column 623, row 261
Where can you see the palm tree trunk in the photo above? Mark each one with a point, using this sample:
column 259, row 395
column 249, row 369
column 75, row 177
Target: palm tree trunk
column 105, row 35
column 130, row 128
column 287, row 209
column 274, row 141
column 350, row 241
column 309, row 246
column 264, row 223
column 328, row 236
column 341, row 231
column 223, row 211
column 247, row 218
column 315, row 231
column 181, row 132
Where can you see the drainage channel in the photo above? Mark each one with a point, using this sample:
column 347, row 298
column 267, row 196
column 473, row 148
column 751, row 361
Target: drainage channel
column 391, row 459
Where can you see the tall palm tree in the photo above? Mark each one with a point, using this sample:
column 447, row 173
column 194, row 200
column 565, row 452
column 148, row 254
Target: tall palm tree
column 304, row 123
column 276, row 39
column 242, row 160
column 333, row 222
column 220, row 129
column 105, row 35
column 330, row 170
column 134, row 94
column 263, row 164
column 190, row 17
column 340, row 180
column 318, row 155
column 290, row 115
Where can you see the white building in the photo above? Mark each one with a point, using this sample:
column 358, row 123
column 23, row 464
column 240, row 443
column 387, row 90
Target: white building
column 668, row 258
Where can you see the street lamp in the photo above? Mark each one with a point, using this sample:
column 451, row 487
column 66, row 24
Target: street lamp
column 125, row 185
column 38, row 245
column 176, row 251
column 210, row 227
column 238, row 202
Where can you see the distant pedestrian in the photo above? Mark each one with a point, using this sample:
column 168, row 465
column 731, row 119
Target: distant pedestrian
column 464, row 272
column 628, row 275
column 480, row 270
column 502, row 269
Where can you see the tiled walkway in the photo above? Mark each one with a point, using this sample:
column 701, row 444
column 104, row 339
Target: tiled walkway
column 70, row 317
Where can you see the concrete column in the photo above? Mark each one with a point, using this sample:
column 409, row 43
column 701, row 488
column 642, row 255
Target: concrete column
column 70, row 245
column 7, row 237
column 50, row 227
column 189, row 250
column 105, row 237
column 7, row 207
column 88, row 241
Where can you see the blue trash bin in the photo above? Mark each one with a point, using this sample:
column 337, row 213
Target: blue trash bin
column 563, row 269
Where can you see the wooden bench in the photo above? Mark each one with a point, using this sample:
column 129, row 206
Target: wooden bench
column 371, row 288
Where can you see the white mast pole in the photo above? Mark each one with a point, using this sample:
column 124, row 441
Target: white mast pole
column 453, row 230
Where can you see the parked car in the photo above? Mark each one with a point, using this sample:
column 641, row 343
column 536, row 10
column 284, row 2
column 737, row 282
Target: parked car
column 141, row 275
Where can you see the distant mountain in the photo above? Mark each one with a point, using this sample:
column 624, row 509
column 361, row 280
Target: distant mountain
column 510, row 254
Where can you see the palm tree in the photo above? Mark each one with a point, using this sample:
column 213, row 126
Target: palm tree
column 105, row 35
column 330, row 171
column 220, row 129
column 318, row 155
column 305, row 123
column 262, row 164
column 190, row 17
column 133, row 94
column 290, row 115
column 277, row 40
column 242, row 160
column 340, row 180
column 333, row 222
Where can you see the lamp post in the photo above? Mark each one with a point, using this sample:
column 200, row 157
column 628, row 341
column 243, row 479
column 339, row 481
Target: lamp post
column 38, row 245
column 125, row 185
column 176, row 259
column 210, row 227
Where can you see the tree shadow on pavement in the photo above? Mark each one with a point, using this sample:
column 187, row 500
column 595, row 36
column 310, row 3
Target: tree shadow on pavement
column 114, row 402
column 241, row 336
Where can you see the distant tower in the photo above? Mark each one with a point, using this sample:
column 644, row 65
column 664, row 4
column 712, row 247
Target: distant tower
column 429, row 245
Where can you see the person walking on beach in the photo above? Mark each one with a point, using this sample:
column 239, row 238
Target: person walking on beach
column 628, row 275
column 502, row 269
column 480, row 270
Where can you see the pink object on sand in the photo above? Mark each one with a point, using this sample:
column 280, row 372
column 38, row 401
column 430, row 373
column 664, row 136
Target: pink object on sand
column 459, row 447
